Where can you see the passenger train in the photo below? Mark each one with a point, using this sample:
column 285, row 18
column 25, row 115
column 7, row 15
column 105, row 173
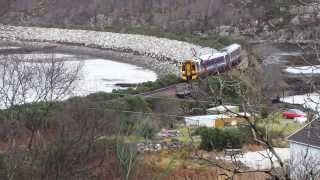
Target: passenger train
column 211, row 63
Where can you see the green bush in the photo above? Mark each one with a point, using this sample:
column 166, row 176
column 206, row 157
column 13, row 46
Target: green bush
column 137, row 103
column 150, row 86
column 2, row 161
column 219, row 139
column 102, row 96
column 198, row 131
column 147, row 131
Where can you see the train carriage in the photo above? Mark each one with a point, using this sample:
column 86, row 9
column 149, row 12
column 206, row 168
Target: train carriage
column 211, row 63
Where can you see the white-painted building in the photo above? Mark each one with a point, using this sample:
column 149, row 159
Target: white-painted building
column 304, row 160
column 216, row 120
column 206, row 120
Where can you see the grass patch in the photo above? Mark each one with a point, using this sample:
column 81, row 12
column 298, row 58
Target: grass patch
column 276, row 128
column 185, row 136
column 150, row 86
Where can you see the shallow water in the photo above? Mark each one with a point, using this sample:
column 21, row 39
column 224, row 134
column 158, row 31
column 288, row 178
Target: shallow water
column 96, row 75
column 103, row 75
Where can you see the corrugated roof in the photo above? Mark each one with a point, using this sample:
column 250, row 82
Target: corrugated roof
column 207, row 117
column 308, row 135
column 223, row 108
column 207, row 57
column 231, row 47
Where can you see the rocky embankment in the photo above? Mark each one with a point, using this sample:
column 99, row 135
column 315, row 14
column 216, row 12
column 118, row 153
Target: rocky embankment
column 258, row 20
column 287, row 22
column 165, row 51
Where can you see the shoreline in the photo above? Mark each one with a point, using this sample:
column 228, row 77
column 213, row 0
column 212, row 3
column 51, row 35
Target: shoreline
column 160, row 68
column 159, row 54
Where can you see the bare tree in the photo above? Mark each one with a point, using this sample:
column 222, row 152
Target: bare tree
column 305, row 164
column 28, row 90
column 35, row 81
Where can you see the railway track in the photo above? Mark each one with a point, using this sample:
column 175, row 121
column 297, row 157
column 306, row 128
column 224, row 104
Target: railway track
column 181, row 90
column 166, row 91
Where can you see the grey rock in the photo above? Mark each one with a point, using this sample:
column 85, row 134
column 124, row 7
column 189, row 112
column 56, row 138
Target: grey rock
column 295, row 21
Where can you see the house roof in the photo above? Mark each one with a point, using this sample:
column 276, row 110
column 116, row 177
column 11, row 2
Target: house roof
column 308, row 135
column 224, row 108
column 206, row 117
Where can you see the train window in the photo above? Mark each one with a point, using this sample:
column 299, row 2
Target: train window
column 220, row 60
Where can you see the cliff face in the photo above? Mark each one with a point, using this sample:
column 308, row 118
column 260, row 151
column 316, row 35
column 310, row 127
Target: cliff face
column 166, row 14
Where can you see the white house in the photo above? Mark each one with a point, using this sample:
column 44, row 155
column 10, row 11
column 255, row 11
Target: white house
column 216, row 121
column 305, row 152
column 206, row 120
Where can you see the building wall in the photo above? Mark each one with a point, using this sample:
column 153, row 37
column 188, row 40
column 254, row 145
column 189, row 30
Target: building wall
column 210, row 121
column 304, row 161
column 200, row 123
column 219, row 123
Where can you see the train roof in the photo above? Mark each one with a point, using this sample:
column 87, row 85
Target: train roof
column 232, row 47
column 206, row 57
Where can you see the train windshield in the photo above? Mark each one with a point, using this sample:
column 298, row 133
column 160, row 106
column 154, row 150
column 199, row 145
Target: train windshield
column 189, row 71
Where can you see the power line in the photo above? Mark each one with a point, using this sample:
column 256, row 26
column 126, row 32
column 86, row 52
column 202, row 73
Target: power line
column 167, row 115
column 185, row 100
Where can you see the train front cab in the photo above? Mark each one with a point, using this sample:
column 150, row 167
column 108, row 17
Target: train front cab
column 188, row 70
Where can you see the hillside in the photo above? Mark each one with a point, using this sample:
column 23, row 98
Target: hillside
column 277, row 20
column 166, row 14
column 68, row 111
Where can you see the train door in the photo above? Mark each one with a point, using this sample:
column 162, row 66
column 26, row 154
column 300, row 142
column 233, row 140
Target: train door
column 188, row 70
column 228, row 61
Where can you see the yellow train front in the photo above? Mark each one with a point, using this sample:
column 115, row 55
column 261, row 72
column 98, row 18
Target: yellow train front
column 189, row 70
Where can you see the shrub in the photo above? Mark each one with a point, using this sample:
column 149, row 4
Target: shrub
column 222, row 138
column 198, row 131
column 137, row 103
column 148, row 131
column 102, row 96
column 150, row 86
column 2, row 162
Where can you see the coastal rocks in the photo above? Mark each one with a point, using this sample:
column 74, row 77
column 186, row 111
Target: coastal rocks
column 224, row 30
column 162, row 49
column 295, row 21
column 304, row 9
column 145, row 147
column 303, row 15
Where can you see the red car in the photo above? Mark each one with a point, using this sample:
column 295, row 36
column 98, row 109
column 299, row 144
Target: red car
column 293, row 113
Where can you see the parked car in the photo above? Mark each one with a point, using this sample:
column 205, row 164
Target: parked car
column 294, row 113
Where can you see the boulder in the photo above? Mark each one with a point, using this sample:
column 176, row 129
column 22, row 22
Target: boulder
column 295, row 21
